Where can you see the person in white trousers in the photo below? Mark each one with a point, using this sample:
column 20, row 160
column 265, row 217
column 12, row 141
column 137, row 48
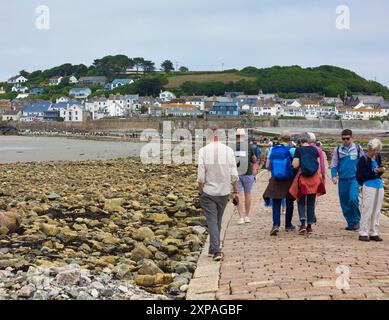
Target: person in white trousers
column 369, row 172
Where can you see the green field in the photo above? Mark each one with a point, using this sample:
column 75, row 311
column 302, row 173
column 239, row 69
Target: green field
column 176, row 80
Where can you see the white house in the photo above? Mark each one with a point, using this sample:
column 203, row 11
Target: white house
column 17, row 79
column 22, row 95
column 294, row 104
column 195, row 101
column 267, row 110
column 292, row 111
column 385, row 112
column 70, row 112
column 62, row 99
column 19, row 88
column 359, row 114
column 114, row 110
column 11, row 115
column 167, row 96
column 115, row 106
column 73, row 80
column 55, row 81
column 246, row 108
column 2, row 90
column 116, row 83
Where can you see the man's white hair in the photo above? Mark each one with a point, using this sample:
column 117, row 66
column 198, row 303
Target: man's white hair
column 375, row 144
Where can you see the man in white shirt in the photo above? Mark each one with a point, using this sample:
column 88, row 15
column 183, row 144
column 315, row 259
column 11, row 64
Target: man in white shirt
column 216, row 172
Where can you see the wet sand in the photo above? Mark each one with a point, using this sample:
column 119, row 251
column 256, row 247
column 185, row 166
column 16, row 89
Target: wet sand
column 42, row 149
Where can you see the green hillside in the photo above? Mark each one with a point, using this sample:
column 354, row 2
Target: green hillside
column 328, row 80
column 286, row 81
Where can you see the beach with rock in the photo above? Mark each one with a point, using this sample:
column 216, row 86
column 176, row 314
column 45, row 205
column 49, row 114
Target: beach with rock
column 68, row 229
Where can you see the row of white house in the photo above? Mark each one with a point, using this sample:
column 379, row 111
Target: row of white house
column 319, row 112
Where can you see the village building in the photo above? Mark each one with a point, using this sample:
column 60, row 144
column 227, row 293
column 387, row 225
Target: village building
column 11, row 115
column 17, row 79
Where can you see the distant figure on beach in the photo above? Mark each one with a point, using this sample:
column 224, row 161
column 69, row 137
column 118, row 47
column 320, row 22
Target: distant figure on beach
column 247, row 168
column 343, row 172
column 369, row 172
column 216, row 172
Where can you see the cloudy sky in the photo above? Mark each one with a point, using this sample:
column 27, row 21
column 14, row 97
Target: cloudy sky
column 200, row 34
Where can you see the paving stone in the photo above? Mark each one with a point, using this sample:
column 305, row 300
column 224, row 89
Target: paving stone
column 293, row 267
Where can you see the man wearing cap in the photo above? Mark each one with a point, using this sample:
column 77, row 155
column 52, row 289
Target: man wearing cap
column 216, row 171
column 245, row 160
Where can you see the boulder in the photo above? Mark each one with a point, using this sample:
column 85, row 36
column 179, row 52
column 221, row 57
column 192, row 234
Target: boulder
column 49, row 229
column 9, row 221
column 143, row 233
column 140, row 252
column 114, row 205
column 149, row 268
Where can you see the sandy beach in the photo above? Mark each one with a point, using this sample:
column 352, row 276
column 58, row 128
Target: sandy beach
column 41, row 149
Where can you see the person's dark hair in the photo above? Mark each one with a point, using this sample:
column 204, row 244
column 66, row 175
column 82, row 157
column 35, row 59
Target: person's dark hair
column 347, row 132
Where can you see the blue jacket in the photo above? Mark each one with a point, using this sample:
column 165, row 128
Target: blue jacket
column 344, row 161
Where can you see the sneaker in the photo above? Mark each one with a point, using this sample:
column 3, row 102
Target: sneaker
column 302, row 229
column 247, row 220
column 309, row 229
column 241, row 221
column 364, row 238
column 350, row 228
column 274, row 231
column 376, row 238
column 357, row 226
column 290, row 229
column 217, row 256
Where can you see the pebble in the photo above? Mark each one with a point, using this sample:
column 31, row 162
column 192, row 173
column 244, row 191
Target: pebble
column 119, row 220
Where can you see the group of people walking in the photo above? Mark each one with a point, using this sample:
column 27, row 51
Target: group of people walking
column 298, row 173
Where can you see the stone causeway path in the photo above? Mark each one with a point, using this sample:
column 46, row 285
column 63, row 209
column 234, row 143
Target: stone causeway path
column 330, row 264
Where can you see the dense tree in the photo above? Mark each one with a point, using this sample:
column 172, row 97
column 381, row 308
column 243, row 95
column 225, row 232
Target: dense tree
column 183, row 69
column 24, row 73
column 111, row 65
column 147, row 86
column 328, row 80
column 167, row 66
column 148, row 66
column 138, row 63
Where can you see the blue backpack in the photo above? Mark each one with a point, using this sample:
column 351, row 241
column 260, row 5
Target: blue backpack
column 281, row 163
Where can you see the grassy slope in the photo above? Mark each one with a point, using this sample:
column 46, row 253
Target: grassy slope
column 176, row 80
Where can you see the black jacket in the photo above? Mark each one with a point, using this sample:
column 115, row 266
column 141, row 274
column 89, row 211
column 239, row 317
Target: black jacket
column 364, row 171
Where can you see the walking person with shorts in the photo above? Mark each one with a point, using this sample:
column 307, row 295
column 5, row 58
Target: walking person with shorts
column 247, row 169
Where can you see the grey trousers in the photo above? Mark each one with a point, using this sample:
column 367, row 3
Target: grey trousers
column 214, row 209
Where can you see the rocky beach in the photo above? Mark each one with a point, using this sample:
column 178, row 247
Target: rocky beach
column 103, row 229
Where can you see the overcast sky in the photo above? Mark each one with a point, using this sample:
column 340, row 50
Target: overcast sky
column 200, row 34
